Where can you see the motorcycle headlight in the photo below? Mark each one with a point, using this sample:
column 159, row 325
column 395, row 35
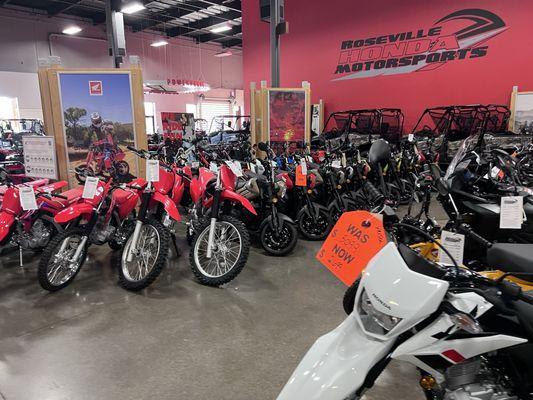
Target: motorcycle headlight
column 374, row 320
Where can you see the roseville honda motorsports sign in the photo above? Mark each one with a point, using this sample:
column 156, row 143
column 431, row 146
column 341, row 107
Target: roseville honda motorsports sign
column 420, row 50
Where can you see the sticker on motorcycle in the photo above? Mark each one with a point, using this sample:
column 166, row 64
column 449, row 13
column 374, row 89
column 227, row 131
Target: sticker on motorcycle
column 235, row 167
column 511, row 212
column 89, row 188
column 152, row 170
column 354, row 240
column 27, row 198
column 455, row 244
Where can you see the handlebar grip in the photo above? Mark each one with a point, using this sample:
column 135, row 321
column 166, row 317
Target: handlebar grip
column 132, row 148
column 373, row 191
column 467, row 230
column 59, row 196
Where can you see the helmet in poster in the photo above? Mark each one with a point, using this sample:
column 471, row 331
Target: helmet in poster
column 96, row 120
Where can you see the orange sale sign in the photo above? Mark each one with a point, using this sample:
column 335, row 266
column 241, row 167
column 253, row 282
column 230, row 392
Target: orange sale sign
column 354, row 240
column 301, row 179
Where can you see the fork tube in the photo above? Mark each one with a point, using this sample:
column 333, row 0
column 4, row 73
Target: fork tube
column 212, row 225
column 146, row 196
column 80, row 248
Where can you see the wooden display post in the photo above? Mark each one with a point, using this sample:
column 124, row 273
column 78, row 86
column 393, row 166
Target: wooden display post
column 260, row 113
column 49, row 83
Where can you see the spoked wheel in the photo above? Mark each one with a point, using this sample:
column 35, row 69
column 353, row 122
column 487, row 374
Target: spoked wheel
column 314, row 228
column 230, row 250
column 82, row 171
column 149, row 258
column 58, row 267
column 281, row 242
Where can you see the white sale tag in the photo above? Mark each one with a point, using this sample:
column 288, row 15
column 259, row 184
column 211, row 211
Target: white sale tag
column 411, row 137
column 213, row 167
column 235, row 167
column 494, row 172
column 152, row 170
column 511, row 212
column 309, row 158
column 303, row 164
column 195, row 164
column 336, row 164
column 89, row 189
column 455, row 244
column 27, row 198
column 343, row 160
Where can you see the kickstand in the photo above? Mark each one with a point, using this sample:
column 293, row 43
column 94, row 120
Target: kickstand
column 175, row 242
column 21, row 260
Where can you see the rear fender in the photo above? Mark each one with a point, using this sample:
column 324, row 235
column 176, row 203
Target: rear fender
column 73, row 212
column 337, row 365
column 6, row 222
column 168, row 204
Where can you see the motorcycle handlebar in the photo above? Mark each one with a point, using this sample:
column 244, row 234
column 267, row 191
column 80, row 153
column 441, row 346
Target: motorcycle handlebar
column 468, row 231
column 374, row 193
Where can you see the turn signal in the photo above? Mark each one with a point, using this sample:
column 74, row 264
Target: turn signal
column 274, row 200
column 428, row 382
column 339, row 187
column 348, row 181
column 309, row 191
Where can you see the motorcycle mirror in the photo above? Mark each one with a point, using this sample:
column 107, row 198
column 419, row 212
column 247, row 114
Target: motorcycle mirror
column 262, row 146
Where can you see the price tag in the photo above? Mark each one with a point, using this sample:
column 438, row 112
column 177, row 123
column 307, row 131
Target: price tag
column 455, row 244
column 303, row 164
column 511, row 212
column 152, row 170
column 235, row 167
column 301, row 178
column 494, row 172
column 309, row 158
column 336, row 164
column 343, row 160
column 213, row 167
column 195, row 164
column 411, row 137
column 27, row 198
column 354, row 240
column 89, row 189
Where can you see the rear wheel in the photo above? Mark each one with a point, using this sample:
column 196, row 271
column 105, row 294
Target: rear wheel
column 280, row 242
column 229, row 254
column 150, row 256
column 57, row 267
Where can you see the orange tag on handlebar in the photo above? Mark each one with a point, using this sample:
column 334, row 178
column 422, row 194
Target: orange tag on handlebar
column 301, row 178
column 354, row 240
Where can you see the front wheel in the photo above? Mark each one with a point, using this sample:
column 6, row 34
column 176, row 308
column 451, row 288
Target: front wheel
column 149, row 258
column 122, row 168
column 280, row 242
column 57, row 267
column 231, row 246
column 312, row 225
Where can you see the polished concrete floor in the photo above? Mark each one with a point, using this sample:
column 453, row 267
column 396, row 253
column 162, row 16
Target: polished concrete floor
column 177, row 339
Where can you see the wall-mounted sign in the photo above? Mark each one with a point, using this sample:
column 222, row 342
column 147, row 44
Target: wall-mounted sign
column 458, row 36
column 40, row 156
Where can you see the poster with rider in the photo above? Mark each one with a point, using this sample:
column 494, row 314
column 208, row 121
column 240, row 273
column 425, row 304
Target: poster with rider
column 286, row 117
column 177, row 126
column 98, row 125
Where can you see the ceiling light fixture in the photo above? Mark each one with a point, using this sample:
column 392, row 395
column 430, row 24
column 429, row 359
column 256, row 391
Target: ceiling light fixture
column 159, row 43
column 71, row 30
column 132, row 7
column 226, row 53
column 221, row 28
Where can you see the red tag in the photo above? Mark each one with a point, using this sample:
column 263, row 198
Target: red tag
column 354, row 240
column 301, row 179
column 501, row 174
column 95, row 88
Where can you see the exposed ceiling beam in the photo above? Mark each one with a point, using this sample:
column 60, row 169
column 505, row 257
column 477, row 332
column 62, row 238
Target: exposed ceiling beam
column 59, row 7
column 208, row 37
column 204, row 23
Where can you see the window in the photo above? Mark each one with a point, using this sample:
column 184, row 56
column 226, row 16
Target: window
column 191, row 109
column 149, row 112
column 209, row 109
column 9, row 108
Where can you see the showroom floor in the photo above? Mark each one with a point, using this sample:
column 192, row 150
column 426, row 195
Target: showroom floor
column 177, row 340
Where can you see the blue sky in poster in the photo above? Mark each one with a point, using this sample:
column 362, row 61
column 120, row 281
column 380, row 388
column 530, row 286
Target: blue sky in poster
column 115, row 103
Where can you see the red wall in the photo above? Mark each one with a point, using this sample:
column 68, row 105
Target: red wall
column 318, row 27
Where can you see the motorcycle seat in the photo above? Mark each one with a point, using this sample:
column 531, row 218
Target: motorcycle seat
column 71, row 195
column 512, row 257
column 121, row 195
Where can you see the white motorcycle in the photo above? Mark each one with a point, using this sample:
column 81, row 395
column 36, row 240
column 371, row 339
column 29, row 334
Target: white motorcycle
column 470, row 337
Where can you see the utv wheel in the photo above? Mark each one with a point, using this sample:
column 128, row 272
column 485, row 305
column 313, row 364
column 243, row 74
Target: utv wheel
column 55, row 270
column 230, row 252
column 316, row 228
column 348, row 302
column 279, row 243
column 149, row 259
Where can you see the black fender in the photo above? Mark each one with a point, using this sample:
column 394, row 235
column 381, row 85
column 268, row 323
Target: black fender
column 281, row 218
column 315, row 210
column 347, row 204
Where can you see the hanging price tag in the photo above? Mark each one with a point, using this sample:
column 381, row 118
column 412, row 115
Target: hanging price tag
column 27, row 198
column 89, row 189
column 303, row 164
column 235, row 167
column 343, row 160
column 336, row 164
column 195, row 164
column 411, row 137
column 213, row 167
column 301, row 178
column 455, row 244
column 152, row 170
column 511, row 212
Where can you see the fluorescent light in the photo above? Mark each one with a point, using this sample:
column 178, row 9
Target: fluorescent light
column 72, row 30
column 221, row 28
column 226, row 53
column 159, row 43
column 132, row 7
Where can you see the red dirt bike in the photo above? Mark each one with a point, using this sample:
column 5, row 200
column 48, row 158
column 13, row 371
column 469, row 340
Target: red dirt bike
column 33, row 229
column 147, row 247
column 104, row 156
column 219, row 242
column 107, row 217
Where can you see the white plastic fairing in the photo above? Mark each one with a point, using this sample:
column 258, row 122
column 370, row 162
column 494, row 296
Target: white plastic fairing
column 336, row 365
column 395, row 290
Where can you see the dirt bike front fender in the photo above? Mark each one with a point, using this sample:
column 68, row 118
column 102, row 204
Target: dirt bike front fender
column 313, row 212
column 168, row 204
column 73, row 212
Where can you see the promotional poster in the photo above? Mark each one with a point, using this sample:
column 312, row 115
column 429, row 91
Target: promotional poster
column 286, row 115
column 177, row 125
column 523, row 118
column 98, row 124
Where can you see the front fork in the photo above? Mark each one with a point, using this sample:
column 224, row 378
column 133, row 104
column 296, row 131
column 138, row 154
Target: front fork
column 146, row 197
column 214, row 216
